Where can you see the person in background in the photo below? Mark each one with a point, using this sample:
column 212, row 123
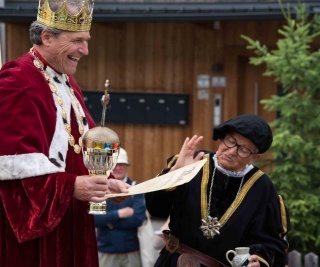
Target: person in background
column 230, row 203
column 159, row 240
column 117, row 238
column 44, row 185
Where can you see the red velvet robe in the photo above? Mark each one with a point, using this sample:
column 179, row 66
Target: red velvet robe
column 41, row 224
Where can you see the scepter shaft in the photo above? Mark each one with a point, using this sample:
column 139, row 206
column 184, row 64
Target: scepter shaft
column 104, row 102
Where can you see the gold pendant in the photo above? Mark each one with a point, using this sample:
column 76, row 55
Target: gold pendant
column 77, row 149
column 53, row 88
column 64, row 114
column 81, row 130
column 46, row 75
column 67, row 128
column 38, row 63
column 60, row 101
column 210, row 227
column 71, row 140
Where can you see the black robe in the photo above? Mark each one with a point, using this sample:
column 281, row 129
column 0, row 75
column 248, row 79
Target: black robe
column 259, row 221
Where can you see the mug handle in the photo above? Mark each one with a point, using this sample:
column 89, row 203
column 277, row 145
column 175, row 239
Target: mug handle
column 227, row 255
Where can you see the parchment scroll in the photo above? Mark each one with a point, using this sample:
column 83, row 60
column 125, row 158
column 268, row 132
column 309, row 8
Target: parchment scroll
column 168, row 180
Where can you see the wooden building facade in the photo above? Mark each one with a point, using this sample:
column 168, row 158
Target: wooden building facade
column 207, row 61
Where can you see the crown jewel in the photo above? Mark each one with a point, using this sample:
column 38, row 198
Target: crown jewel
column 68, row 15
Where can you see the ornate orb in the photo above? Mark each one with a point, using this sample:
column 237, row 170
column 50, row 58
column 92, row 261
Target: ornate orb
column 101, row 137
column 100, row 150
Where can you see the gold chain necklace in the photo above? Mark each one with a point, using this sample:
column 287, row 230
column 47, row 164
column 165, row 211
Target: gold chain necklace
column 76, row 147
column 211, row 225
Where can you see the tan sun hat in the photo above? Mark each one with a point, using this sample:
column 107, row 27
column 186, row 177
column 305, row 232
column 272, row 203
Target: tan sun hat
column 123, row 157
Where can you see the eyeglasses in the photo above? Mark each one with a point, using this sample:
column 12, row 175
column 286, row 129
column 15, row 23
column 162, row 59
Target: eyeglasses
column 242, row 151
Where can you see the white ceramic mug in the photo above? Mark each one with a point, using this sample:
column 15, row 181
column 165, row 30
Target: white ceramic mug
column 240, row 255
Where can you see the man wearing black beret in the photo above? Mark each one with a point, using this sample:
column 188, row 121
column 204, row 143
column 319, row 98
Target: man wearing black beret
column 230, row 203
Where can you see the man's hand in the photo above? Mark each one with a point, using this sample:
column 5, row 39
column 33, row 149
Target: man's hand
column 95, row 187
column 187, row 151
column 117, row 186
column 253, row 261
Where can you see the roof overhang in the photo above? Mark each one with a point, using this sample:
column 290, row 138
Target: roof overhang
column 113, row 12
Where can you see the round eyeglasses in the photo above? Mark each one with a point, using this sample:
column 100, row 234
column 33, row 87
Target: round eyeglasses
column 242, row 151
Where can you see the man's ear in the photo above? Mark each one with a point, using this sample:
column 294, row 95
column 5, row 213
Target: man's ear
column 254, row 158
column 46, row 37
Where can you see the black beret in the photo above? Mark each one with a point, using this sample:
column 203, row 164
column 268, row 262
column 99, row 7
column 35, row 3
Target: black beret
column 251, row 126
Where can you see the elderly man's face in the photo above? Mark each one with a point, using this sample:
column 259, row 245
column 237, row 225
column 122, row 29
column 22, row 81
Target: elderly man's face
column 229, row 158
column 65, row 50
column 120, row 171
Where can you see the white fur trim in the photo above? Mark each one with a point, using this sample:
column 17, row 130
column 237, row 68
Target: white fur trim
column 59, row 143
column 26, row 165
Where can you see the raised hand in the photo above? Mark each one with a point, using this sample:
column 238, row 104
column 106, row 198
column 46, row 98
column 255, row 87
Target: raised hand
column 186, row 154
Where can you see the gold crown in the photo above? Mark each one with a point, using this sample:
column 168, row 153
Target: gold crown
column 66, row 16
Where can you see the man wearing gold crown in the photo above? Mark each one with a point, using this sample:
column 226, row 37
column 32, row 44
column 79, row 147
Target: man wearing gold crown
column 44, row 185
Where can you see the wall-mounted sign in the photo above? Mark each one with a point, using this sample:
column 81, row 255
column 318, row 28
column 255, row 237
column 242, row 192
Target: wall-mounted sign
column 203, row 94
column 218, row 81
column 203, row 81
column 203, row 85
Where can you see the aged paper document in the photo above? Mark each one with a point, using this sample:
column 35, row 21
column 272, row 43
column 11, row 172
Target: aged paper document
column 170, row 179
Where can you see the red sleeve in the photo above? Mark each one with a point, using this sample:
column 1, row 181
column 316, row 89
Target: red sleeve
column 38, row 202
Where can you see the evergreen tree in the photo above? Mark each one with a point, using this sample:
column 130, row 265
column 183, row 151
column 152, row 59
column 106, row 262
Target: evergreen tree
column 295, row 64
